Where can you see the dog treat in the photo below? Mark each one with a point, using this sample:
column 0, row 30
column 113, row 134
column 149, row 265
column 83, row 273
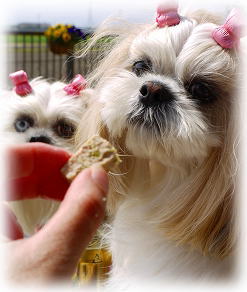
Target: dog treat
column 95, row 150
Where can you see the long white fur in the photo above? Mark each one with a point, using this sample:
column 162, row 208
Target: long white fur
column 46, row 104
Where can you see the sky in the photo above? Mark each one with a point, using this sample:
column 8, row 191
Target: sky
column 90, row 13
column 79, row 12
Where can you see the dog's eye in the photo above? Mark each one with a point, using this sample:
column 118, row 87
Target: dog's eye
column 202, row 91
column 64, row 129
column 23, row 123
column 140, row 67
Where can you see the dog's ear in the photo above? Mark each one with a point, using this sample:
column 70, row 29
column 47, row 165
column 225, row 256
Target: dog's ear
column 86, row 97
column 202, row 213
column 91, row 123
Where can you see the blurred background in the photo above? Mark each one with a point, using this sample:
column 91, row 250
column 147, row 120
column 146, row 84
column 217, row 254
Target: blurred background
column 40, row 36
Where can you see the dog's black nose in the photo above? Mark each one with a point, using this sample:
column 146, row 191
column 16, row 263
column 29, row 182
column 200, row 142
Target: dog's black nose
column 43, row 139
column 154, row 93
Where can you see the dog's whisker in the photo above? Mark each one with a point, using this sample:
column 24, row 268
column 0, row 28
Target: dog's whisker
column 125, row 155
column 117, row 174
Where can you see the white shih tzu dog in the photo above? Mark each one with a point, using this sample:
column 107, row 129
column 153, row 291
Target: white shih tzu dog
column 45, row 112
column 166, row 96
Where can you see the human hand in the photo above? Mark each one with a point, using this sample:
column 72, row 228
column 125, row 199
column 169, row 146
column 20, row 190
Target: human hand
column 53, row 252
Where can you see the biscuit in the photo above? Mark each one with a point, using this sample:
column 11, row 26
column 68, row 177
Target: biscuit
column 94, row 151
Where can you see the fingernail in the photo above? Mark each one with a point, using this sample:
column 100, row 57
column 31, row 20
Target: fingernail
column 100, row 177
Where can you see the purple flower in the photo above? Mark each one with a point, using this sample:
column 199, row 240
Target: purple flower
column 79, row 33
column 76, row 32
column 71, row 29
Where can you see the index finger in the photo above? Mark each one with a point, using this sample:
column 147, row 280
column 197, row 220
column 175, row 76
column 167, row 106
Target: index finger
column 33, row 170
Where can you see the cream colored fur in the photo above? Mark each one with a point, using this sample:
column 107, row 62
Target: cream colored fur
column 172, row 200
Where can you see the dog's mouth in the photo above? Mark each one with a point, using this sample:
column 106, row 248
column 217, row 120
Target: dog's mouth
column 40, row 138
column 159, row 119
column 156, row 108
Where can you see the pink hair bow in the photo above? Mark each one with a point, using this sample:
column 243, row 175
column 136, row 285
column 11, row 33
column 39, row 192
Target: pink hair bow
column 228, row 35
column 77, row 84
column 167, row 15
column 20, row 80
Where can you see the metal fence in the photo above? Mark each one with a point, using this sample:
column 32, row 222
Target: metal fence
column 30, row 52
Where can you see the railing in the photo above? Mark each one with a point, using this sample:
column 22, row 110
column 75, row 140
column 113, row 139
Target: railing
column 30, row 52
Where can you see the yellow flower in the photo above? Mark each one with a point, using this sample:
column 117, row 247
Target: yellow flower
column 66, row 37
column 58, row 25
column 63, row 29
column 48, row 32
column 57, row 33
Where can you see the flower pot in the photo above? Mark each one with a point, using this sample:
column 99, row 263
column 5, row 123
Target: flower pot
column 59, row 48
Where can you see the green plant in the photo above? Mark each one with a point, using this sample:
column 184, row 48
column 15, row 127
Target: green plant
column 64, row 34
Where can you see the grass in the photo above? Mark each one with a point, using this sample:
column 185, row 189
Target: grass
column 19, row 38
column 38, row 43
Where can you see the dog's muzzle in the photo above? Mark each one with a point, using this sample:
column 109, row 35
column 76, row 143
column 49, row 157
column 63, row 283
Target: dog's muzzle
column 42, row 139
column 153, row 93
column 156, row 108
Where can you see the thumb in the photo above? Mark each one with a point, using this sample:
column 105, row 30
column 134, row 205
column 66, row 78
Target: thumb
column 62, row 241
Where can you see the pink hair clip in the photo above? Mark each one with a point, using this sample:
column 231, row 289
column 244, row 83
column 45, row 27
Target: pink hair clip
column 228, row 35
column 167, row 15
column 20, row 80
column 77, row 84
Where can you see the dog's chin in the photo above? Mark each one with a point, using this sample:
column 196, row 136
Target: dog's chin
column 167, row 139
column 168, row 149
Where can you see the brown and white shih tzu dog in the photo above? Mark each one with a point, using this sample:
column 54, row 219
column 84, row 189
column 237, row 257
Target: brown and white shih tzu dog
column 165, row 97
column 45, row 112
